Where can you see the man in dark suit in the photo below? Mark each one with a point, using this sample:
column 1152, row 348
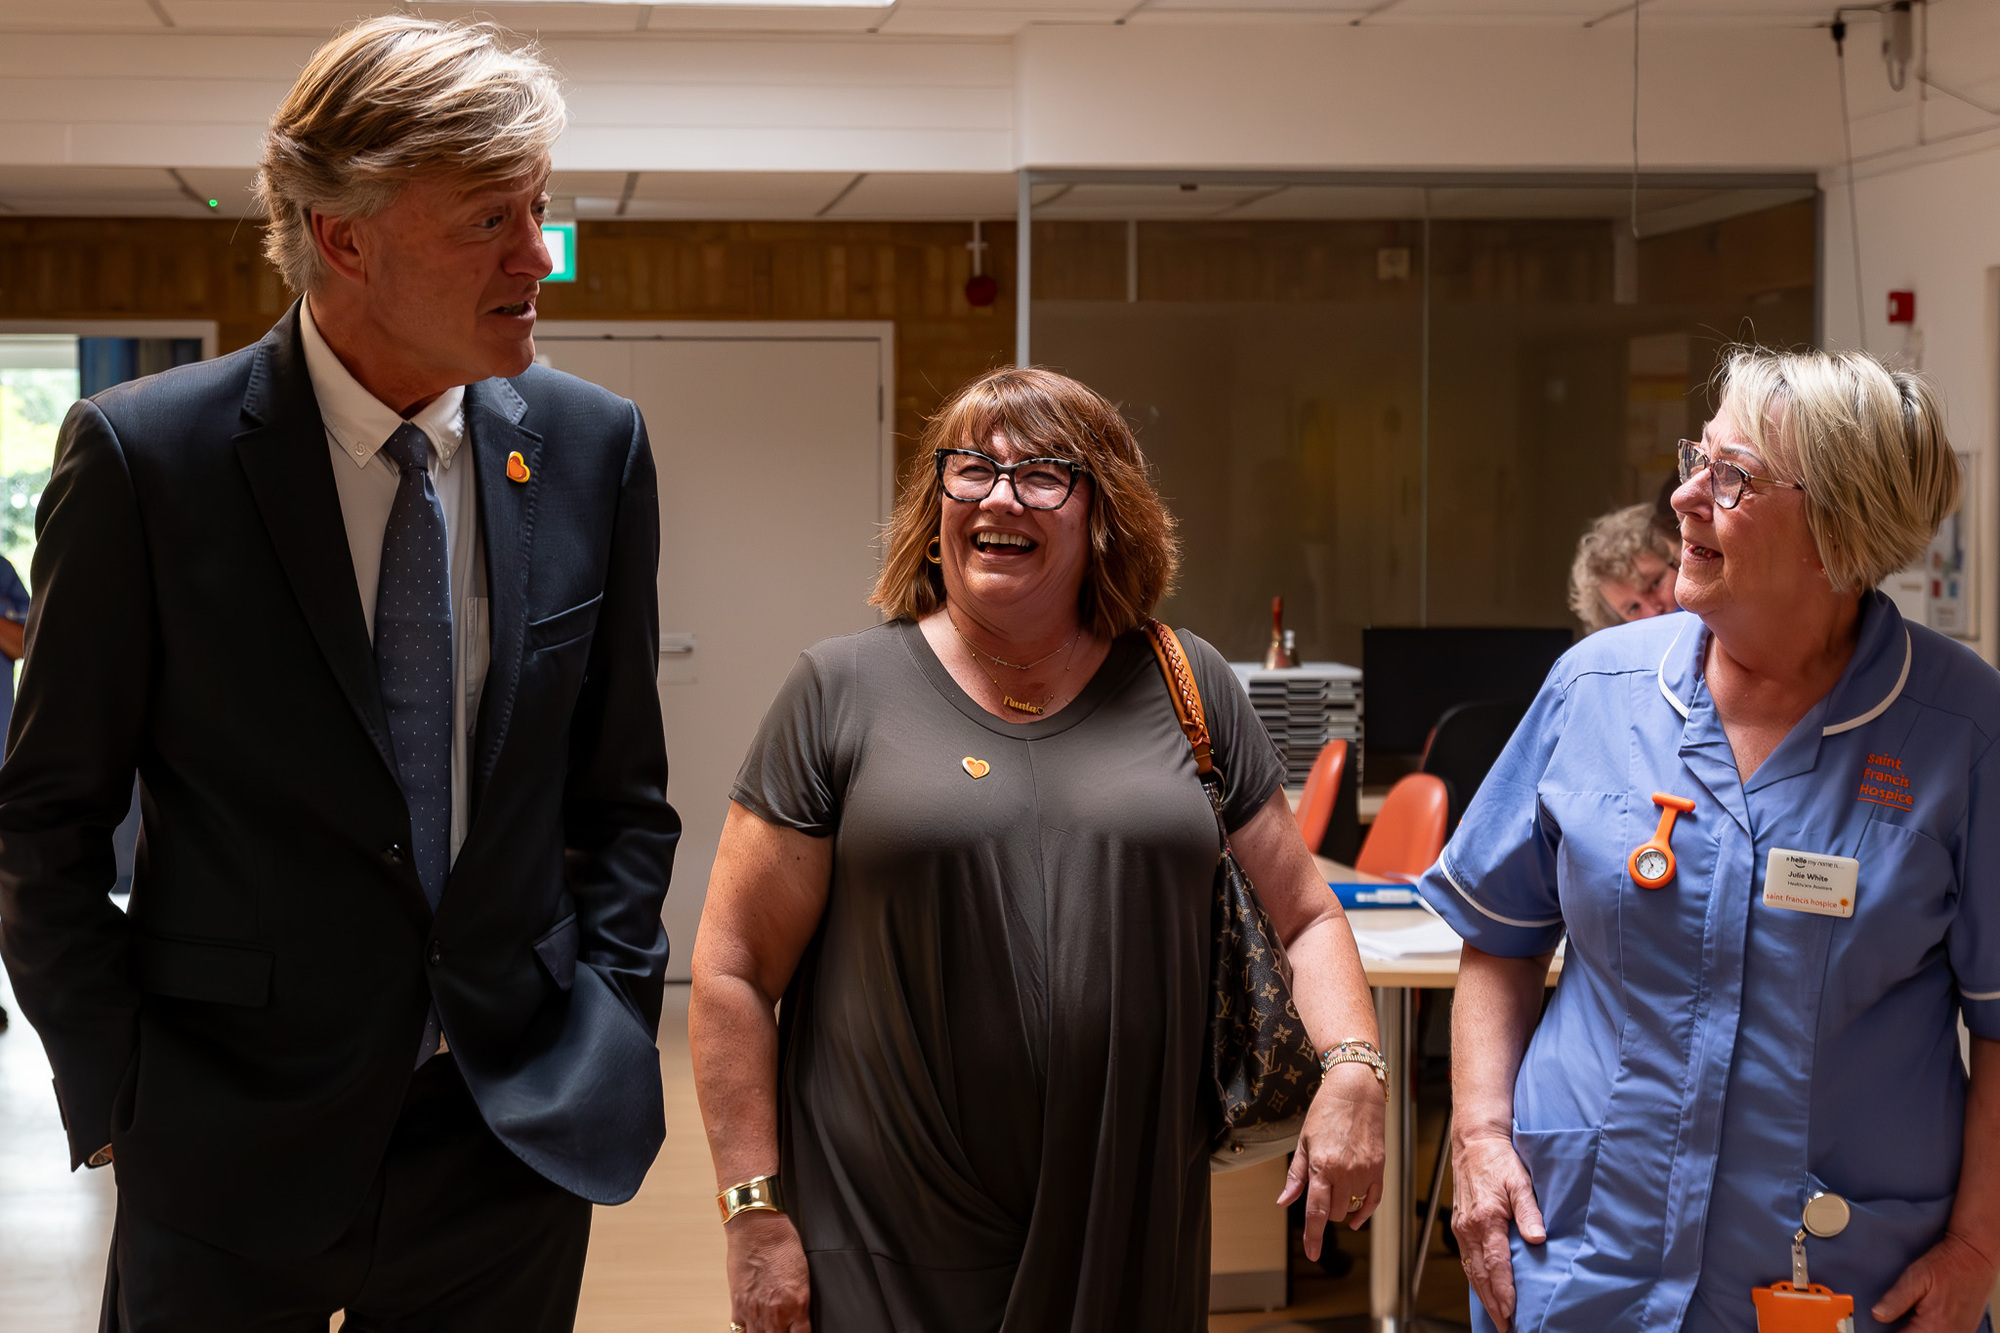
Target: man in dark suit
column 370, row 608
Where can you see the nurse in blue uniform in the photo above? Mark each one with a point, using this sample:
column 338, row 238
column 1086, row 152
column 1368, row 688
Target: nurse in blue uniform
column 1775, row 1020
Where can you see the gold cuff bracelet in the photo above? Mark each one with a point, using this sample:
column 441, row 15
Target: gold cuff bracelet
column 759, row 1194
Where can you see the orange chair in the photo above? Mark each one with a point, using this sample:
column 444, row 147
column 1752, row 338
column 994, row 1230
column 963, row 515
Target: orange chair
column 1315, row 810
column 1408, row 833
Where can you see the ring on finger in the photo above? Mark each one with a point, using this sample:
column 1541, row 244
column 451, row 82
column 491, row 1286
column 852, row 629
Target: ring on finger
column 735, row 1328
column 1354, row 1202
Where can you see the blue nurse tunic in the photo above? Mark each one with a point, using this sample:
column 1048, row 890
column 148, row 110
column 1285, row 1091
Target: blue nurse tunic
column 1709, row 1062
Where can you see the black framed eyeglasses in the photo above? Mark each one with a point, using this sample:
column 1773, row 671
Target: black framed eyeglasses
column 1039, row 483
column 1726, row 481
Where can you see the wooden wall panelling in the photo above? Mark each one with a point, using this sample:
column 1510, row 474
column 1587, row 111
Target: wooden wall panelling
column 1523, row 323
column 911, row 273
column 140, row 268
column 1744, row 260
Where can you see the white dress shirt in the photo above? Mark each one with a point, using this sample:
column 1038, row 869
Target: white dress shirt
column 357, row 425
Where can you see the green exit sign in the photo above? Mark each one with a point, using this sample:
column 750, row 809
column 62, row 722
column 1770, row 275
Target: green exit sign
column 560, row 238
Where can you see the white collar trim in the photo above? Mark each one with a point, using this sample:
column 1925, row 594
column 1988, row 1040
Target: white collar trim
column 1902, row 679
column 1863, row 720
column 1672, row 698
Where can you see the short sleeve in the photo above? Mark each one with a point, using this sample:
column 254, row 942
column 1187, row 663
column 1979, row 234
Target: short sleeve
column 1496, row 881
column 1242, row 748
column 1972, row 942
column 787, row 778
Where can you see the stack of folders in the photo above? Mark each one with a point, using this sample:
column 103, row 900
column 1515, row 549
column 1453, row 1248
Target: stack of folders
column 1303, row 708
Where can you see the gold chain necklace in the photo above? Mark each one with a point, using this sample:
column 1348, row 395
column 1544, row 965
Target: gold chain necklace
column 1013, row 666
column 1006, row 699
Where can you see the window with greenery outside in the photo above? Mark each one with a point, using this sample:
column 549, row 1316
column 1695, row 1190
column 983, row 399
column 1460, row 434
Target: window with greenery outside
column 32, row 405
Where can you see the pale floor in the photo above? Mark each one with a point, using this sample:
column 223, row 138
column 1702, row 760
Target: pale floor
column 655, row 1263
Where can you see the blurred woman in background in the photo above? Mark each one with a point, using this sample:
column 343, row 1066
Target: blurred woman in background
column 1624, row 570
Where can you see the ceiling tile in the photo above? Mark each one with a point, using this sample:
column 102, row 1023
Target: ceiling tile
column 736, row 18
column 231, row 189
column 94, row 192
column 582, row 184
column 544, row 18
column 320, row 17
column 1119, row 201
column 77, row 14
column 725, row 195
column 941, row 195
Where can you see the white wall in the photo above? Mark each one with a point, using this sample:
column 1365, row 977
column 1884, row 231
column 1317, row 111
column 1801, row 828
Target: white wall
column 1930, row 223
column 1550, row 97
column 1298, row 95
column 637, row 104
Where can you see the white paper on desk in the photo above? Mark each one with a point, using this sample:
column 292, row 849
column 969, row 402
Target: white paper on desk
column 1432, row 938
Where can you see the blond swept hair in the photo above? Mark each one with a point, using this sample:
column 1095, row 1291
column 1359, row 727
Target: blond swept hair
column 390, row 99
column 1133, row 551
column 1866, row 442
column 1610, row 549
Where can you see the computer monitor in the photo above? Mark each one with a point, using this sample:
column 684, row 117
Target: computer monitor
column 1411, row 676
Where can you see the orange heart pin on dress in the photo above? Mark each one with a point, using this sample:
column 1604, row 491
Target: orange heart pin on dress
column 517, row 467
column 978, row 768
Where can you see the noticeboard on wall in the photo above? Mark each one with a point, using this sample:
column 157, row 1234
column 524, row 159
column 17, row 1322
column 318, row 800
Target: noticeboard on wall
column 1938, row 588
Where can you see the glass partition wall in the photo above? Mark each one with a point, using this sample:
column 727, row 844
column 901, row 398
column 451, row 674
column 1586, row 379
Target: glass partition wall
column 1401, row 402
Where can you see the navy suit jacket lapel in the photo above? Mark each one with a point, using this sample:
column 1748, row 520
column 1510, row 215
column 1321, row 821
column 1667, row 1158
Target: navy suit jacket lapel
column 284, row 454
column 493, row 412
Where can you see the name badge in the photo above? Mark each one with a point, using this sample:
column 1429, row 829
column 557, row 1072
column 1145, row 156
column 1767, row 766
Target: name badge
column 1808, row 882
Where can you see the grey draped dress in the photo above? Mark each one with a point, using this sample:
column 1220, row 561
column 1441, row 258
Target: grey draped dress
column 992, row 1052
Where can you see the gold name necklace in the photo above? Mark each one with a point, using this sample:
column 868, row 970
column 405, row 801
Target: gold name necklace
column 1007, row 700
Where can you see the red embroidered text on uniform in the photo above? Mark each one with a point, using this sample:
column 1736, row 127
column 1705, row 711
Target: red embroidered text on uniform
column 1882, row 782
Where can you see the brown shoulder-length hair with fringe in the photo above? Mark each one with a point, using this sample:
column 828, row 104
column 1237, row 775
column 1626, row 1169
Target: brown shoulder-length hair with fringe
column 1133, row 551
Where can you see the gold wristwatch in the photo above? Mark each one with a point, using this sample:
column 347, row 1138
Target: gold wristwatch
column 1357, row 1052
column 759, row 1194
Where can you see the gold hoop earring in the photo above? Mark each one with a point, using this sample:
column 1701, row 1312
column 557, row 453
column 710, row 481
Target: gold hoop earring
column 934, row 552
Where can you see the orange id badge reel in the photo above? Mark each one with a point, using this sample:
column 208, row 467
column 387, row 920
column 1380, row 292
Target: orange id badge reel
column 1783, row 1308
column 1802, row 1305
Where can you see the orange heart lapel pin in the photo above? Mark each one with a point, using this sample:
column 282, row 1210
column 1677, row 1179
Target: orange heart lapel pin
column 978, row 768
column 517, row 467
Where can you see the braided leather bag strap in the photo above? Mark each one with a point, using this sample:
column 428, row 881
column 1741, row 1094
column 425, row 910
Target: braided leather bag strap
column 1182, row 689
column 1262, row 1066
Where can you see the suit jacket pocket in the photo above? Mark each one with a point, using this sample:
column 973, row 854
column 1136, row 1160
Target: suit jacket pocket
column 564, row 626
column 557, row 950
column 205, row 970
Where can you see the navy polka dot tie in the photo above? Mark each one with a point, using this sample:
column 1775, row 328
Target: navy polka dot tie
column 413, row 663
column 413, row 654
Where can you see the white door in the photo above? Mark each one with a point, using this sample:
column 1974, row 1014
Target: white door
column 775, row 471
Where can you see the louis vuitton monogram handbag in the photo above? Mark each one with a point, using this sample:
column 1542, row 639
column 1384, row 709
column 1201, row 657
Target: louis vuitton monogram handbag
column 1263, row 1068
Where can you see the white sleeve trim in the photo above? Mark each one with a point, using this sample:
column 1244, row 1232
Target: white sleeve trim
column 1452, row 880
column 1975, row 995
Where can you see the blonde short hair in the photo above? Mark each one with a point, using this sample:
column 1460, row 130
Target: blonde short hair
column 1610, row 549
column 388, row 99
column 1866, row 442
column 1133, row 551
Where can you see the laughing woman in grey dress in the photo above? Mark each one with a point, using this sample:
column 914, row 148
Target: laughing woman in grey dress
column 969, row 851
